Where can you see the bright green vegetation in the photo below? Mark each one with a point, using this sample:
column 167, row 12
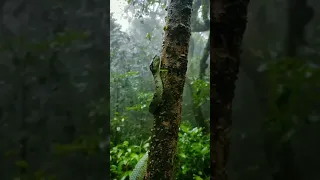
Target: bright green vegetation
column 193, row 156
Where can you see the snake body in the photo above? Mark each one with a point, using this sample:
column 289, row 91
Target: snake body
column 140, row 169
column 155, row 66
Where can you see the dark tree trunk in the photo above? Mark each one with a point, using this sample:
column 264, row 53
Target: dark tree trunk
column 228, row 23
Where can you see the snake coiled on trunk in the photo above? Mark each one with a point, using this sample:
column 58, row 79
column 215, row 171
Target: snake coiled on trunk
column 155, row 66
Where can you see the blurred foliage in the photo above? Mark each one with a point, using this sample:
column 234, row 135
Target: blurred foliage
column 294, row 95
column 204, row 95
column 193, row 155
column 35, row 60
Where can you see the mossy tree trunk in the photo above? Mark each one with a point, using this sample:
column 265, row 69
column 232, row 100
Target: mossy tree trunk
column 228, row 23
column 167, row 119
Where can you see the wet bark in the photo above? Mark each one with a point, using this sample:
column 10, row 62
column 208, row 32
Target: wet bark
column 167, row 118
column 228, row 23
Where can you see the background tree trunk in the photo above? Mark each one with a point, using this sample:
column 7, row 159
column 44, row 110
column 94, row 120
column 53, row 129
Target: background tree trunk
column 228, row 23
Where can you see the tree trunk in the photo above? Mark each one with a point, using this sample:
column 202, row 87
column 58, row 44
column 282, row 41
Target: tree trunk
column 203, row 60
column 167, row 118
column 228, row 23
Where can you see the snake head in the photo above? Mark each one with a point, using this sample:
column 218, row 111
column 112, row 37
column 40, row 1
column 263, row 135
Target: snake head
column 155, row 64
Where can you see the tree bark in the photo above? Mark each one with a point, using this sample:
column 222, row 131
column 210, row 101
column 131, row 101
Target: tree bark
column 167, row 118
column 228, row 23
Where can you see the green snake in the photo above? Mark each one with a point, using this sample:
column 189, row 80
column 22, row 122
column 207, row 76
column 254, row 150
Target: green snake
column 140, row 169
column 155, row 66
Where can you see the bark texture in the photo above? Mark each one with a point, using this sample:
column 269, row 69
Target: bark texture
column 168, row 116
column 228, row 23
